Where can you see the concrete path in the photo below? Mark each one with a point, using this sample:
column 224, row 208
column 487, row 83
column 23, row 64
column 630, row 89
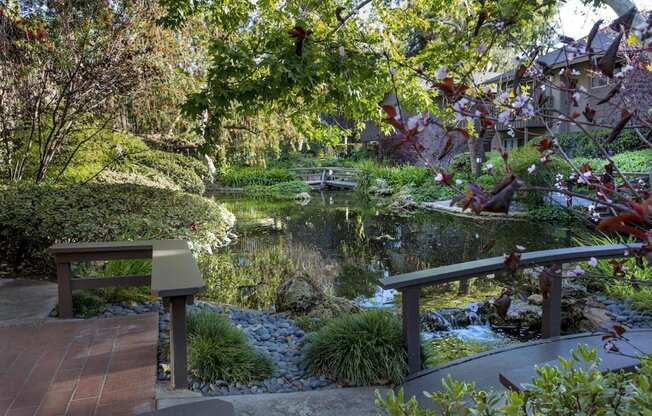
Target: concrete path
column 92, row 367
column 331, row 402
column 26, row 301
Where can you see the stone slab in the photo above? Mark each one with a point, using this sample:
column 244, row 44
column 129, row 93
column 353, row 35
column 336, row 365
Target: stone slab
column 26, row 301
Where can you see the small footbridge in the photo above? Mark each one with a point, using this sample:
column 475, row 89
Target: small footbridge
column 511, row 367
column 328, row 177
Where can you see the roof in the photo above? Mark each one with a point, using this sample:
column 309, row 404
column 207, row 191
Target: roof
column 559, row 57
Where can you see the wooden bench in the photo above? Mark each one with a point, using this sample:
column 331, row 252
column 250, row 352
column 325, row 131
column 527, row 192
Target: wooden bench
column 175, row 278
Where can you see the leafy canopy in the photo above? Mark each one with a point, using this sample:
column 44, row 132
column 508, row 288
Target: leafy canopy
column 304, row 59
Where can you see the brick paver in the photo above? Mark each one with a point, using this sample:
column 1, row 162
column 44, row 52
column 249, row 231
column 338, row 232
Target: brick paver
column 79, row 368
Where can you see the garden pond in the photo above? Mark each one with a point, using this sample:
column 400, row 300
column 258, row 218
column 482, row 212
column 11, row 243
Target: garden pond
column 348, row 243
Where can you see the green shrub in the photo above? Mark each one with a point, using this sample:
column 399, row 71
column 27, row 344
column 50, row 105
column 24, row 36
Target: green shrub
column 33, row 217
column 87, row 303
column 488, row 182
column 575, row 387
column 460, row 166
column 311, row 323
column 243, row 176
column 219, row 351
column 639, row 161
column 551, row 214
column 359, row 349
column 602, row 278
column 432, row 192
column 188, row 173
column 579, row 145
column 127, row 159
column 520, row 160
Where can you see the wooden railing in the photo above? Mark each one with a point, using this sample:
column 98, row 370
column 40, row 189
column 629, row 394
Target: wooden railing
column 410, row 285
column 175, row 278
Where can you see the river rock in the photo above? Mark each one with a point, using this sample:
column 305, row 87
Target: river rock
column 297, row 295
column 444, row 319
column 535, row 299
column 527, row 315
column 380, row 188
column 595, row 319
column 402, row 200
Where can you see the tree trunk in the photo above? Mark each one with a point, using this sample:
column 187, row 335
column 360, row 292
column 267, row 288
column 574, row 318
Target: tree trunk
column 476, row 154
column 623, row 6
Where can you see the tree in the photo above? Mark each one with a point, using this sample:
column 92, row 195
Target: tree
column 302, row 59
column 66, row 67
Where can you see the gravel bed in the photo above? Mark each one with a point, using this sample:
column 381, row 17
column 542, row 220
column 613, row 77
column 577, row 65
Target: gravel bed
column 623, row 312
column 272, row 334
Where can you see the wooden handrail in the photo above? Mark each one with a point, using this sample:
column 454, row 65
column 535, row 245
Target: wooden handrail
column 175, row 277
column 410, row 284
column 453, row 272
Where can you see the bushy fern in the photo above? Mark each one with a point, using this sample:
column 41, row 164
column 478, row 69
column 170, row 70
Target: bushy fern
column 359, row 349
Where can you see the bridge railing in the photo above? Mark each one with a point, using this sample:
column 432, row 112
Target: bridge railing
column 324, row 175
column 410, row 285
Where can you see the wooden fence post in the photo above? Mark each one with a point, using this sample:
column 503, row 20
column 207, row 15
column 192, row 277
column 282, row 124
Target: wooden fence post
column 552, row 306
column 411, row 327
column 178, row 357
column 65, row 290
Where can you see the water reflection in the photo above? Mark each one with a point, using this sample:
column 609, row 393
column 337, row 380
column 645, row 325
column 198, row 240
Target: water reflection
column 360, row 243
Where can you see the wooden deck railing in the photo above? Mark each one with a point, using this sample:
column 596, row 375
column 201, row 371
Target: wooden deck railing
column 175, row 278
column 410, row 285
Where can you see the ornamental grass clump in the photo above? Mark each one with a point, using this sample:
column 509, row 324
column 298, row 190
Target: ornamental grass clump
column 219, row 351
column 359, row 349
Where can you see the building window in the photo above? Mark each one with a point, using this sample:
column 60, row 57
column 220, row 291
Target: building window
column 599, row 81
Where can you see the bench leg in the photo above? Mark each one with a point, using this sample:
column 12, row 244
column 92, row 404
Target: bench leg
column 65, row 290
column 411, row 328
column 178, row 350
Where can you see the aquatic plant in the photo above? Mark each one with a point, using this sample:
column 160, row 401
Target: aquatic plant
column 443, row 350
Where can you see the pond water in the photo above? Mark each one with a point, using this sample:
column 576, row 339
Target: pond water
column 350, row 243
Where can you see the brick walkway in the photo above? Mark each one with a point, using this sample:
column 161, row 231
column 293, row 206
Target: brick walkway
column 95, row 367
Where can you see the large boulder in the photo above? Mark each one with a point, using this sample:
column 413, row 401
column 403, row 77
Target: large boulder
column 298, row 295
column 301, row 296
column 444, row 319
column 333, row 306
